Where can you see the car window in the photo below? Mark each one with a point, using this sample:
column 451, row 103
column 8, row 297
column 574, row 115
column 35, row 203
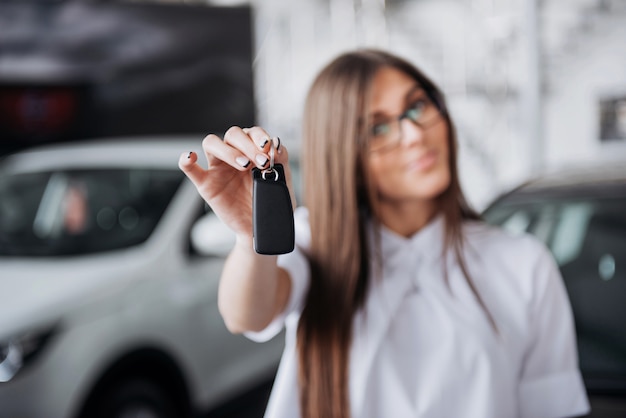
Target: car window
column 588, row 240
column 82, row 211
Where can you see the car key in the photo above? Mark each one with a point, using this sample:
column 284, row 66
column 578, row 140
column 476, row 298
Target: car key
column 272, row 213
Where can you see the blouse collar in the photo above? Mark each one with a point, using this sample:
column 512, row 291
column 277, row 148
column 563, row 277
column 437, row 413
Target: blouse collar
column 428, row 242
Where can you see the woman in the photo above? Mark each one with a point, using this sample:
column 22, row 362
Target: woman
column 398, row 301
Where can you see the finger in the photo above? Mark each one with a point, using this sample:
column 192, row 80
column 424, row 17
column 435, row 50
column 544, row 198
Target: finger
column 282, row 155
column 277, row 143
column 260, row 137
column 187, row 162
column 241, row 140
column 218, row 151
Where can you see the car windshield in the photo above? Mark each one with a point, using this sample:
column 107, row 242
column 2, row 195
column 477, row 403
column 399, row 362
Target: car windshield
column 82, row 211
column 588, row 239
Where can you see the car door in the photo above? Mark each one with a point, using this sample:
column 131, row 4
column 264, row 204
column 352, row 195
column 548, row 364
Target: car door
column 223, row 364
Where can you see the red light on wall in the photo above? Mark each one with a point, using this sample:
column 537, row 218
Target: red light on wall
column 38, row 111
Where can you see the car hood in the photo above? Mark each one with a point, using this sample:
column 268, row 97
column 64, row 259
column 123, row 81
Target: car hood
column 38, row 291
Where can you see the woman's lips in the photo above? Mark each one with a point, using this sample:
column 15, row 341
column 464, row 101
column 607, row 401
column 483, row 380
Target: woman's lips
column 423, row 163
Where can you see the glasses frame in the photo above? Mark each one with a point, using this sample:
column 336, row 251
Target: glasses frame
column 434, row 97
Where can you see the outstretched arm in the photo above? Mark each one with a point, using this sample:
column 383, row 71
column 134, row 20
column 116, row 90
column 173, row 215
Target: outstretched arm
column 253, row 290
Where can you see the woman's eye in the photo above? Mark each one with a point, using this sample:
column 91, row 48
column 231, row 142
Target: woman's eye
column 416, row 109
column 380, row 129
column 419, row 104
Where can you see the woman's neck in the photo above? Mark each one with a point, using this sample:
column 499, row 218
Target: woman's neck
column 406, row 218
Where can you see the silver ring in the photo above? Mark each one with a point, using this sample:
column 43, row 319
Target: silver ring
column 269, row 170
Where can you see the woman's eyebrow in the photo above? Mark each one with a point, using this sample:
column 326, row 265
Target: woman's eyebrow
column 408, row 96
column 412, row 91
column 379, row 116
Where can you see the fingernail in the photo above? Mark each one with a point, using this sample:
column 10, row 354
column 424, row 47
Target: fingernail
column 261, row 160
column 189, row 155
column 278, row 146
column 264, row 142
column 242, row 161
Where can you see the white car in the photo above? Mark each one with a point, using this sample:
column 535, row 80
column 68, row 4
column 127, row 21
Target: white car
column 109, row 266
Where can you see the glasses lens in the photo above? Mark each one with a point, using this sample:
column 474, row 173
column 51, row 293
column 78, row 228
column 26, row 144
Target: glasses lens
column 384, row 135
column 381, row 129
column 423, row 112
column 387, row 134
column 415, row 113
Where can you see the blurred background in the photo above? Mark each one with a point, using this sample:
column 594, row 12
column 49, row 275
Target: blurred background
column 532, row 84
column 108, row 258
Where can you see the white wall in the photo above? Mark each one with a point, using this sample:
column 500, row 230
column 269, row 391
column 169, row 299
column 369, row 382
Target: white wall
column 596, row 69
column 474, row 49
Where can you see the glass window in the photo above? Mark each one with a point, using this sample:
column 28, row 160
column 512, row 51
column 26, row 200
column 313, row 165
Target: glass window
column 81, row 212
column 570, row 231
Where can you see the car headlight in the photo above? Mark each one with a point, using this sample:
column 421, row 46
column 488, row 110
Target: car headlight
column 18, row 352
column 10, row 361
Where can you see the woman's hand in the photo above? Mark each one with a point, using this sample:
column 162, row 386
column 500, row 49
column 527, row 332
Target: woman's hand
column 226, row 184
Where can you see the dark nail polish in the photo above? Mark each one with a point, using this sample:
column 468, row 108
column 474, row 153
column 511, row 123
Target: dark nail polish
column 265, row 141
column 278, row 146
column 189, row 155
column 261, row 160
column 246, row 164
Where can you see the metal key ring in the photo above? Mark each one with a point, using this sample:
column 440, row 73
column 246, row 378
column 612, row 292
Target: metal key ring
column 272, row 152
column 269, row 170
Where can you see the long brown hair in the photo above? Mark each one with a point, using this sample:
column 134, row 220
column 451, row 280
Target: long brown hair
column 340, row 200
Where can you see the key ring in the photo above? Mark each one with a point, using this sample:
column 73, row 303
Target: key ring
column 271, row 167
column 272, row 152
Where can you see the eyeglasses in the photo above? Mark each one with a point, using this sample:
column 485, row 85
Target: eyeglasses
column 385, row 135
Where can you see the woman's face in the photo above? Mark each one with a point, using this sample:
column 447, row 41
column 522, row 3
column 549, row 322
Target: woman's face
column 408, row 161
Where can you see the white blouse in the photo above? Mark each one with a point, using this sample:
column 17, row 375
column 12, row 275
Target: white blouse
column 422, row 348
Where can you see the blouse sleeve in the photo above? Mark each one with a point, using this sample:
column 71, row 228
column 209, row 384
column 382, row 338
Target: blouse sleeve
column 298, row 269
column 551, row 384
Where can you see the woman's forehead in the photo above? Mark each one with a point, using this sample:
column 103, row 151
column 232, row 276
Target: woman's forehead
column 391, row 88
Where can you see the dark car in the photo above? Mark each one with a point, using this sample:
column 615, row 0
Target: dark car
column 580, row 213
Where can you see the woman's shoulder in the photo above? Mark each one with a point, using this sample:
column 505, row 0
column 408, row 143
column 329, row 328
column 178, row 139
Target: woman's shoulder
column 521, row 258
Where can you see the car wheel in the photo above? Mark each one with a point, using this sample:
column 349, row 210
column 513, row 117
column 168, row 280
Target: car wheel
column 136, row 398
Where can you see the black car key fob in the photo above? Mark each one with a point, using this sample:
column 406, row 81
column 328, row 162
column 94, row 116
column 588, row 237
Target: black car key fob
column 272, row 213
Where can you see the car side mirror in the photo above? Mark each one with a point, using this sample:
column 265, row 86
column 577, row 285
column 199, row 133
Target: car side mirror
column 211, row 237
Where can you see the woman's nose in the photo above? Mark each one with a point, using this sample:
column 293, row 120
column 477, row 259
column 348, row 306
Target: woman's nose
column 411, row 132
